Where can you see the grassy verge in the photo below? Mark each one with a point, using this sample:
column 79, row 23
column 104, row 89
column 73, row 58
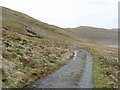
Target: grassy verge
column 99, row 80
column 104, row 72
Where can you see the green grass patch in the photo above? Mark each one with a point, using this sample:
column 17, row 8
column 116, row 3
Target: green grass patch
column 99, row 78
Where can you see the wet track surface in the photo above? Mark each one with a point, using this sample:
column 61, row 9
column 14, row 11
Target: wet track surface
column 75, row 74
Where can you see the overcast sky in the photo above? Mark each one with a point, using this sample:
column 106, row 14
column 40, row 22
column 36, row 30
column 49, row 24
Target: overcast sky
column 69, row 13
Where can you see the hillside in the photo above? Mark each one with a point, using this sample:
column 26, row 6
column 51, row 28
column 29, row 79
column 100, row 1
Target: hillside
column 32, row 49
column 97, row 35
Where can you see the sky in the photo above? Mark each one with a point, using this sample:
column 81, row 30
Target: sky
column 69, row 13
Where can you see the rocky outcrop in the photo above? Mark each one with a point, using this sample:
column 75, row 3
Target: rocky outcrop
column 29, row 30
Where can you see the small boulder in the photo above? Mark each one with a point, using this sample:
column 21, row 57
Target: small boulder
column 6, row 28
column 38, row 36
column 30, row 31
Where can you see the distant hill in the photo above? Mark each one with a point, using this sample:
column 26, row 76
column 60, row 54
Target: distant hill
column 97, row 35
column 115, row 29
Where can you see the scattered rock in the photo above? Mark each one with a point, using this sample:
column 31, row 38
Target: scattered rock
column 6, row 28
column 30, row 31
column 38, row 36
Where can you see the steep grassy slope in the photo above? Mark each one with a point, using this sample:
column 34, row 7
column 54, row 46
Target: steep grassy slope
column 97, row 35
column 31, row 48
column 19, row 22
